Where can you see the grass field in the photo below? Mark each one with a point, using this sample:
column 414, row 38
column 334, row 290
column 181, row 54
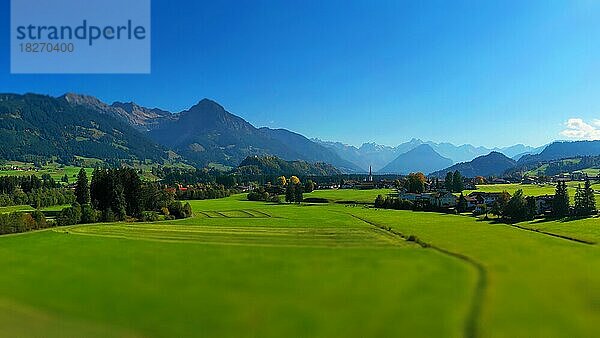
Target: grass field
column 258, row 269
column 528, row 189
column 349, row 195
column 54, row 170
column 27, row 208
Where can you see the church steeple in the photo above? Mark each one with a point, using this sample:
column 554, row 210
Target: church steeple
column 370, row 179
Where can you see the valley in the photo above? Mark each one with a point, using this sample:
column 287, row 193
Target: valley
column 286, row 269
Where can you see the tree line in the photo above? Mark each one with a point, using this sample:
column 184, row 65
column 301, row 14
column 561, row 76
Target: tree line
column 33, row 191
column 293, row 190
column 203, row 191
column 118, row 195
column 16, row 222
column 584, row 203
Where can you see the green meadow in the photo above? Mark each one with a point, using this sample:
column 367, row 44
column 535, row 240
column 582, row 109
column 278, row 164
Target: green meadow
column 528, row 189
column 349, row 195
column 28, row 208
column 319, row 270
column 56, row 171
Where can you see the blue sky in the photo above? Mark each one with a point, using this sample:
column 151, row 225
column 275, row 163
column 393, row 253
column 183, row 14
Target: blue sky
column 481, row 72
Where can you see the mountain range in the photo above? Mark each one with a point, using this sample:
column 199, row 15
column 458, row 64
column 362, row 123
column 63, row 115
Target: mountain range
column 563, row 149
column 34, row 127
column 378, row 156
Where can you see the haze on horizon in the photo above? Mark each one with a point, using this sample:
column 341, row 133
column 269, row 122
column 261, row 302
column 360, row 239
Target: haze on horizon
column 490, row 74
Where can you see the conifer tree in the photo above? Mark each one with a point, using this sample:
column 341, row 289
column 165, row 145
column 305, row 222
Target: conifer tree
column 560, row 204
column 118, row 202
column 580, row 201
column 82, row 188
column 589, row 200
column 457, row 182
column 448, row 182
column 289, row 193
column 298, row 190
column 462, row 203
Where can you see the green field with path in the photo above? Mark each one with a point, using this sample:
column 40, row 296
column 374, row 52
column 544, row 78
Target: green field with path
column 318, row 270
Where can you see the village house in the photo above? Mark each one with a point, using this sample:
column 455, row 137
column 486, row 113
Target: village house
column 472, row 203
column 486, row 198
column 436, row 199
column 497, row 180
column 328, row 186
column 444, row 199
column 416, row 197
column 564, row 177
column 530, row 180
column 470, row 185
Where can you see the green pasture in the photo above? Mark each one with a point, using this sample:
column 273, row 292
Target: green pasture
column 591, row 171
column 349, row 195
column 248, row 269
column 535, row 284
column 27, row 208
column 528, row 189
column 241, row 268
column 57, row 171
column 54, row 170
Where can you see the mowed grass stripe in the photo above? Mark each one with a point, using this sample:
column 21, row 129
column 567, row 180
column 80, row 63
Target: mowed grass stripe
column 257, row 213
column 232, row 214
column 304, row 236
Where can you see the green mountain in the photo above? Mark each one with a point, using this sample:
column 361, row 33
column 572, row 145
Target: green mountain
column 492, row 164
column 207, row 133
column 585, row 164
column 308, row 150
column 564, row 149
column 274, row 166
column 37, row 127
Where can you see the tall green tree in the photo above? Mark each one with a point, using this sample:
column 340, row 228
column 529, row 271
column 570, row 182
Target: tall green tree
column 309, row 186
column 449, row 182
column 82, row 188
column 462, row 203
column 589, row 198
column 561, row 203
column 499, row 205
column 457, row 182
column 518, row 208
column 118, row 202
column 298, row 193
column 579, row 207
column 289, row 193
column 585, row 201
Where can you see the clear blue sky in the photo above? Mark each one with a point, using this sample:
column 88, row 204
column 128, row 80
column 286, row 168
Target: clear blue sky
column 481, row 72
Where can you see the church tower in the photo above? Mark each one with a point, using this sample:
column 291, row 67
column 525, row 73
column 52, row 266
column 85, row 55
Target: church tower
column 370, row 179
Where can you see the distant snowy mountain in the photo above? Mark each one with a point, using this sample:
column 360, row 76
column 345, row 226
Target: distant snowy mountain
column 420, row 159
column 378, row 156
